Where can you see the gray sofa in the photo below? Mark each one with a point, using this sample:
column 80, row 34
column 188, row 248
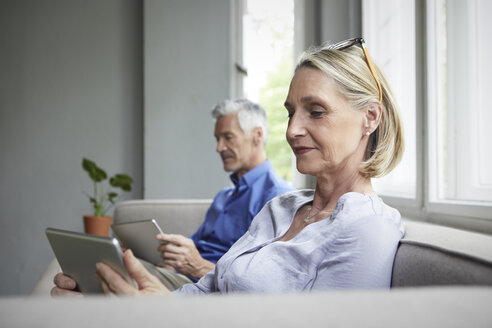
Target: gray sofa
column 442, row 277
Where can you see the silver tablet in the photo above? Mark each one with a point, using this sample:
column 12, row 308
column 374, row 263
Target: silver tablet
column 140, row 237
column 77, row 253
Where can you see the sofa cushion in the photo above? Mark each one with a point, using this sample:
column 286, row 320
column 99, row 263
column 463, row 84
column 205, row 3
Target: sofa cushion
column 437, row 255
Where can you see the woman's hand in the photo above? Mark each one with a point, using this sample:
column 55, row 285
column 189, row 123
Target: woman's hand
column 64, row 286
column 113, row 283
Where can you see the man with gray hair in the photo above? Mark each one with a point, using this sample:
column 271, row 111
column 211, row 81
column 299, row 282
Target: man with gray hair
column 241, row 133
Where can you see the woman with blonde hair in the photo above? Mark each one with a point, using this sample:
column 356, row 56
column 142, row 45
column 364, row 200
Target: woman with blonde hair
column 344, row 129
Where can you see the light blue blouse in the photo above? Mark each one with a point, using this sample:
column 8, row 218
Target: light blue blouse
column 353, row 248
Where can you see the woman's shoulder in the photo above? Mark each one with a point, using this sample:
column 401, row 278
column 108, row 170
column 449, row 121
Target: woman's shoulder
column 356, row 210
column 362, row 204
column 296, row 195
column 291, row 199
column 279, row 210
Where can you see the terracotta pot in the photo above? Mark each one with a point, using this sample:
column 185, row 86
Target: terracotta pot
column 97, row 225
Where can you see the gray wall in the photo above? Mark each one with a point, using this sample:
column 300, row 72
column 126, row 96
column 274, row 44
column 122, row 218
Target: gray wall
column 126, row 83
column 70, row 86
column 340, row 20
column 186, row 73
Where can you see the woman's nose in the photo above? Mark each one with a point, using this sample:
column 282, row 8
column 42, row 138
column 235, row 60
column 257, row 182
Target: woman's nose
column 296, row 127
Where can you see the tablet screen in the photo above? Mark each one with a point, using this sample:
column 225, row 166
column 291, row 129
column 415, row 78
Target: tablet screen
column 77, row 253
column 140, row 237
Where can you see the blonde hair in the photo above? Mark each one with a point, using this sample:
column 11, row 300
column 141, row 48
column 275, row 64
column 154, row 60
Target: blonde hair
column 349, row 69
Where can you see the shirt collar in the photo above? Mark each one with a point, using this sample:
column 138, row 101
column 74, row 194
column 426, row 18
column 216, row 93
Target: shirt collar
column 249, row 177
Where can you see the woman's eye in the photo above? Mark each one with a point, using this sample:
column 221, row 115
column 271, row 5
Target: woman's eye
column 289, row 115
column 316, row 113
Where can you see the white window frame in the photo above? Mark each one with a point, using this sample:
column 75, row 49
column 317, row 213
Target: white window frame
column 378, row 45
column 438, row 208
column 425, row 206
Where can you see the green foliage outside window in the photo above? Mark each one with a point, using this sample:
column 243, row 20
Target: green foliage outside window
column 272, row 97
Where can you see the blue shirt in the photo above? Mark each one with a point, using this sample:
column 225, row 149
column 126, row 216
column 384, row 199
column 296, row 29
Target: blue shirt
column 233, row 209
column 353, row 248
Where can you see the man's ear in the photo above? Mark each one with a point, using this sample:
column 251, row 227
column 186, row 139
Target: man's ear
column 372, row 117
column 257, row 133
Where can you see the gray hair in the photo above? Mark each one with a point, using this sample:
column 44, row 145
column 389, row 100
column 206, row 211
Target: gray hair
column 250, row 115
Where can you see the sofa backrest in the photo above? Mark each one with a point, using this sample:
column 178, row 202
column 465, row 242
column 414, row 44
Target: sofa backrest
column 432, row 255
column 179, row 216
column 428, row 254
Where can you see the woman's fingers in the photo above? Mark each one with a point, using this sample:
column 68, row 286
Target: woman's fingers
column 112, row 282
column 147, row 283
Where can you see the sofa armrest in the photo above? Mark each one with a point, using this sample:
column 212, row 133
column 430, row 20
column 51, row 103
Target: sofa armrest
column 173, row 215
column 431, row 255
column 45, row 283
column 412, row 307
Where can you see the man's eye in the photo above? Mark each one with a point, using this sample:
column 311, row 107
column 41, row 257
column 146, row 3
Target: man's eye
column 289, row 115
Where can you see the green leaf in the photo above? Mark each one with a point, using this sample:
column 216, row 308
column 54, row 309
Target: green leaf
column 126, row 187
column 89, row 167
column 100, row 200
column 112, row 196
column 100, row 175
column 122, row 181
column 95, row 173
column 87, row 164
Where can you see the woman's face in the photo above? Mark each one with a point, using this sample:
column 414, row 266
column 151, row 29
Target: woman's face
column 326, row 134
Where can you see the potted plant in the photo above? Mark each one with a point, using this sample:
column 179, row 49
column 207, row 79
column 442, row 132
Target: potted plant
column 102, row 199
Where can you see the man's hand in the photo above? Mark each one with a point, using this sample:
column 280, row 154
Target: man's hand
column 113, row 283
column 180, row 253
column 64, row 286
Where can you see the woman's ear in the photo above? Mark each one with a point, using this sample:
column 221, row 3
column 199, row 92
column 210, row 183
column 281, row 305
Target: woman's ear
column 372, row 117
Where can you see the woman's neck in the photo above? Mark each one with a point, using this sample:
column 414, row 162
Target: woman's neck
column 331, row 187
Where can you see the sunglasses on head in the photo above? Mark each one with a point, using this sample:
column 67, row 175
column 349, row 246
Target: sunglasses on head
column 351, row 42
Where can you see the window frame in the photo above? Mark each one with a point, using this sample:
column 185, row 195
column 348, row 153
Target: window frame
column 476, row 216
column 467, row 210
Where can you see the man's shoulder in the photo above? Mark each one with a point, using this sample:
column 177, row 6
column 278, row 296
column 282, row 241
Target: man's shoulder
column 272, row 182
column 271, row 179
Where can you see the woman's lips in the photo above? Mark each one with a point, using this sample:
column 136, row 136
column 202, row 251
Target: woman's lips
column 302, row 150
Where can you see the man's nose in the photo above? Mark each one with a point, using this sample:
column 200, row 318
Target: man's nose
column 220, row 145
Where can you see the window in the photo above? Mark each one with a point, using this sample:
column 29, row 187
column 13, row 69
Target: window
column 265, row 66
column 462, row 162
column 460, row 152
column 389, row 31
column 435, row 54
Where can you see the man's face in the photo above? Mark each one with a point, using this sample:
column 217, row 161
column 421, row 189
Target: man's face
column 234, row 146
